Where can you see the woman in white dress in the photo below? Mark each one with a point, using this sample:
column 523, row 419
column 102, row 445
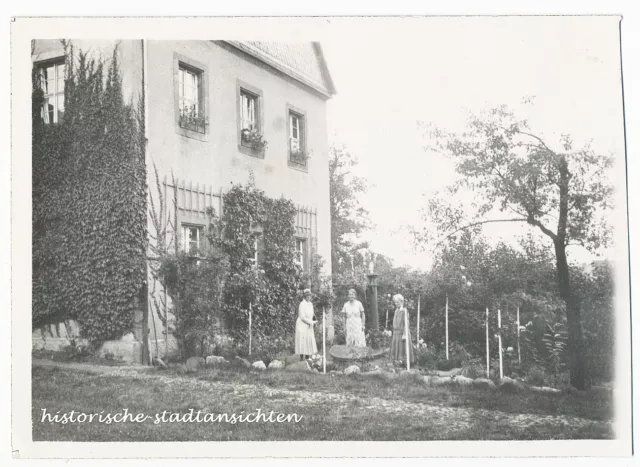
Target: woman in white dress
column 305, row 343
column 354, row 324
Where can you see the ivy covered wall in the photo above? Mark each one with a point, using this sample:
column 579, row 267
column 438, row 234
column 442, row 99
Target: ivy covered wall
column 89, row 202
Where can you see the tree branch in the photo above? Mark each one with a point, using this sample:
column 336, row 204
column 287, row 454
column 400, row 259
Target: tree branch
column 544, row 145
column 533, row 221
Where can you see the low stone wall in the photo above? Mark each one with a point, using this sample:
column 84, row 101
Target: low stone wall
column 56, row 337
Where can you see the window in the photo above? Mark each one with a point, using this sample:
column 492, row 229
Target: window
column 191, row 105
column 250, row 137
column 51, row 80
column 301, row 253
column 256, row 252
column 192, row 236
column 248, row 107
column 190, row 98
column 297, row 134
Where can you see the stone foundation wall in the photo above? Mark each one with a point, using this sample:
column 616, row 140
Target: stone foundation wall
column 56, row 337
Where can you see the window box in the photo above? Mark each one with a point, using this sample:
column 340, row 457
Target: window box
column 250, row 120
column 298, row 155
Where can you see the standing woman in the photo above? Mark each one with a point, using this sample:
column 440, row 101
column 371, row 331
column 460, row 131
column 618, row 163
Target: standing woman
column 397, row 352
column 305, row 338
column 354, row 321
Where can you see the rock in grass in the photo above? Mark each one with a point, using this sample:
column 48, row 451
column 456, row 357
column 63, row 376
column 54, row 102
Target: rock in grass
column 259, row 365
column 440, row 381
column 483, row 383
column 276, row 365
column 350, row 370
column 372, row 372
column 241, row 362
column 387, row 376
column 450, row 373
column 194, row 363
column 214, row 361
column 509, row 385
column 299, row 366
column 411, row 374
column 462, row 380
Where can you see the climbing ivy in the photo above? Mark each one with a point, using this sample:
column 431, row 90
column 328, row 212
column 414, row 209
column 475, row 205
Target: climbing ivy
column 89, row 203
column 271, row 287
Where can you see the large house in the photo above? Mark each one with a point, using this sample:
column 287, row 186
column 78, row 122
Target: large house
column 210, row 107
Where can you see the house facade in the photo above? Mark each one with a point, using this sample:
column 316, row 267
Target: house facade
column 218, row 113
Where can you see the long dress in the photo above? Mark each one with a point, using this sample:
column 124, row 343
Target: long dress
column 354, row 332
column 397, row 352
column 305, row 343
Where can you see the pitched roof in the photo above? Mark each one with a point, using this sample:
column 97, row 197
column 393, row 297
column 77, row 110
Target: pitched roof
column 302, row 61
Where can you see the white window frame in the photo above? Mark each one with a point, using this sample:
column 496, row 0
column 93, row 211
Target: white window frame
column 186, row 238
column 294, row 141
column 254, row 259
column 57, row 93
column 249, row 105
column 195, row 76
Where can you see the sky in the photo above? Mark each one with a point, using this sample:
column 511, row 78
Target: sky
column 392, row 73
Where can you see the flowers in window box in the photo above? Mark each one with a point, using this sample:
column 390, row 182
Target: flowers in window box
column 299, row 156
column 192, row 119
column 254, row 139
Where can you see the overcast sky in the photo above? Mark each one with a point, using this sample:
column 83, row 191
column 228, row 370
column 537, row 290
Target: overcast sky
column 390, row 75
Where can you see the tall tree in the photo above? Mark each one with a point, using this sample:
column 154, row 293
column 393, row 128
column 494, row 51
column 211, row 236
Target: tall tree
column 348, row 218
column 560, row 191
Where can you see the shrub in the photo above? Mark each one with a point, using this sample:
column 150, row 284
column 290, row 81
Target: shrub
column 195, row 287
column 536, row 376
column 426, row 356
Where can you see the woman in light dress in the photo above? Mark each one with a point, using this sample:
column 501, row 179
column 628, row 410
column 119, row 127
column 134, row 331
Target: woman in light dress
column 398, row 350
column 305, row 343
column 354, row 324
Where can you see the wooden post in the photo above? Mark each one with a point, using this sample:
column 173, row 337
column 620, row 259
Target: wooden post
column 406, row 330
column 500, row 343
column 486, row 325
column 446, row 325
column 324, row 347
column 250, row 310
column 518, row 332
column 418, row 322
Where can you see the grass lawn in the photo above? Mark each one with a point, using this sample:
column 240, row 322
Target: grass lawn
column 330, row 407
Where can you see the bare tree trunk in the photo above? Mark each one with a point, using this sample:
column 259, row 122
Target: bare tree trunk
column 575, row 344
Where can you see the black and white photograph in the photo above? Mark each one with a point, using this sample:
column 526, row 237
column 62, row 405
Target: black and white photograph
column 323, row 230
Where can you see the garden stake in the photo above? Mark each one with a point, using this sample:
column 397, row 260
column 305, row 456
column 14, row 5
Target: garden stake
column 500, row 343
column 324, row 347
column 486, row 325
column 446, row 325
column 406, row 330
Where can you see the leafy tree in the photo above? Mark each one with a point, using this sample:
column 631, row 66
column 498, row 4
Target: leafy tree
column 560, row 191
column 348, row 218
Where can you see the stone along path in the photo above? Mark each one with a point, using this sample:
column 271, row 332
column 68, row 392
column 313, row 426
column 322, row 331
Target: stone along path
column 449, row 419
